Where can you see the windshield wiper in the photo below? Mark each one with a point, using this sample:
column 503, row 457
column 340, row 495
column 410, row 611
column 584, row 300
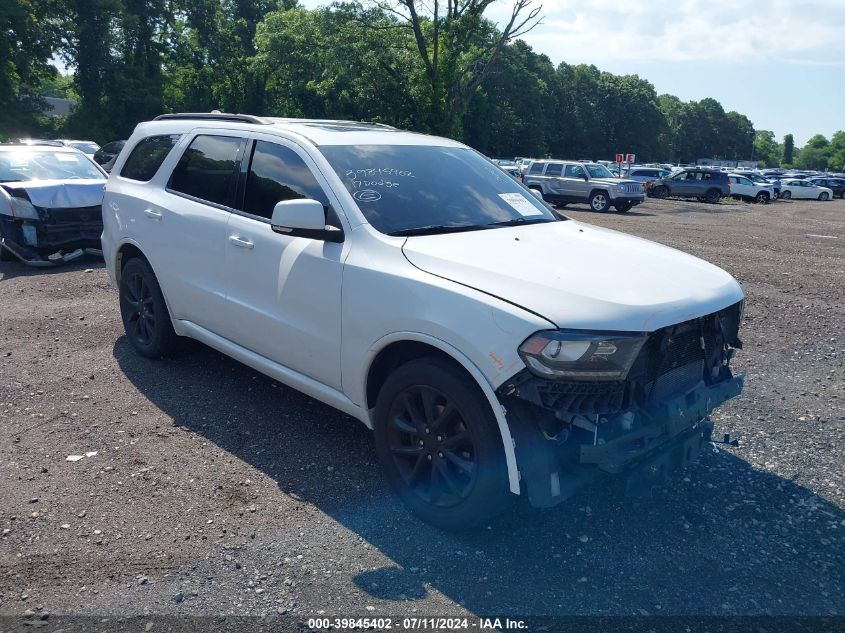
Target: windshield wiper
column 434, row 229
column 515, row 221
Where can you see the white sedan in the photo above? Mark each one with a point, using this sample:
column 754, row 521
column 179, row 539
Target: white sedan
column 803, row 189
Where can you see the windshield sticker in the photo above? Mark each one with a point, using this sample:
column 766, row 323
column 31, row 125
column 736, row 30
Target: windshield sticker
column 520, row 203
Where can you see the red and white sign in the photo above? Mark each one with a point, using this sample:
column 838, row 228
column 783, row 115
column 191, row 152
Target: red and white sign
column 620, row 158
column 630, row 158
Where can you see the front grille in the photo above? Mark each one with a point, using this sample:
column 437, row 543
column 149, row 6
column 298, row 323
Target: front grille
column 74, row 215
column 632, row 187
column 586, row 398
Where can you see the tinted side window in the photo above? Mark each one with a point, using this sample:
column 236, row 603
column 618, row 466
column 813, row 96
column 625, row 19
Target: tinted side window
column 574, row 171
column 147, row 157
column 536, row 169
column 554, row 169
column 206, row 169
column 277, row 173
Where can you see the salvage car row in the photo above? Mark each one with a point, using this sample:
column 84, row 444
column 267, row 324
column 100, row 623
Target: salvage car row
column 563, row 182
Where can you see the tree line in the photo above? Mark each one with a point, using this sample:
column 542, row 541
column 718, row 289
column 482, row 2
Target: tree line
column 436, row 68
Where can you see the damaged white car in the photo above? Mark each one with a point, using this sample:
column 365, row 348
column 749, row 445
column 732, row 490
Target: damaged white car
column 494, row 347
column 50, row 204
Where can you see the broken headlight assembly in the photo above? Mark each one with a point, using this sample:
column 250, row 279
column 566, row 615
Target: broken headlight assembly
column 22, row 209
column 580, row 354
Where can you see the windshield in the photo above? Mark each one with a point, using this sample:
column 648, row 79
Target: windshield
column 598, row 171
column 405, row 188
column 85, row 148
column 32, row 164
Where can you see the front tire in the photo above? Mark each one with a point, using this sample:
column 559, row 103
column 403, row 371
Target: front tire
column 823, row 196
column 599, row 201
column 761, row 198
column 146, row 319
column 661, row 191
column 440, row 445
column 623, row 207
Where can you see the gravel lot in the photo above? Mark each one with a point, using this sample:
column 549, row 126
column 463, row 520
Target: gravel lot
column 215, row 490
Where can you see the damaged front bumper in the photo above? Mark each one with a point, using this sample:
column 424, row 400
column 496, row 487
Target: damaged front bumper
column 58, row 237
column 567, row 432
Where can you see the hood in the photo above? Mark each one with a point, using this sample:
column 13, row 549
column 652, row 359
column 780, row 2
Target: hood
column 61, row 194
column 579, row 276
column 615, row 181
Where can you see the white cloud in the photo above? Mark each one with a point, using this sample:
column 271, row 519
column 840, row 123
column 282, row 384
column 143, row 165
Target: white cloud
column 777, row 31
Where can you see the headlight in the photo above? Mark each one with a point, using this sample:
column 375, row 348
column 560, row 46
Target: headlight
column 579, row 354
column 23, row 209
column 619, row 188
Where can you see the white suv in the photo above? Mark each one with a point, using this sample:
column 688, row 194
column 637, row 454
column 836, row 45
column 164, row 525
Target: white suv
column 492, row 346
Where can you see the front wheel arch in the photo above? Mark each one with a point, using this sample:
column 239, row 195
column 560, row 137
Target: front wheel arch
column 392, row 350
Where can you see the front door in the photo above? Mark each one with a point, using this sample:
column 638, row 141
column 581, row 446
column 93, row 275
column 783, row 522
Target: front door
column 283, row 292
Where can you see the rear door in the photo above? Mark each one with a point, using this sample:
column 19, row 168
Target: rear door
column 187, row 227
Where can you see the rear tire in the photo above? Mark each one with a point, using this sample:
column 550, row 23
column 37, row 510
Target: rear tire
column 599, row 201
column 146, row 319
column 440, row 445
column 712, row 196
column 786, row 195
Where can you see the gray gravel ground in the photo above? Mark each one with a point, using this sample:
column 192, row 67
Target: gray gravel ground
column 215, row 490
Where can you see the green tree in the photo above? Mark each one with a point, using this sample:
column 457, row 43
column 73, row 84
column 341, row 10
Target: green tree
column 788, row 149
column 815, row 154
column 766, row 148
column 28, row 36
column 457, row 46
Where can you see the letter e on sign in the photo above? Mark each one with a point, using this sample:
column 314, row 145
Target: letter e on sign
column 630, row 158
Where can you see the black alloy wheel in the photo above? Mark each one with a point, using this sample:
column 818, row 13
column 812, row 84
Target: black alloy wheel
column 144, row 311
column 432, row 448
column 439, row 444
column 140, row 312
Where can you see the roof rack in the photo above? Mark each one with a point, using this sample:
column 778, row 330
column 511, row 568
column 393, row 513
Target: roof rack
column 214, row 116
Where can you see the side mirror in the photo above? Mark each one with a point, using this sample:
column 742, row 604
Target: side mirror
column 303, row 218
column 537, row 193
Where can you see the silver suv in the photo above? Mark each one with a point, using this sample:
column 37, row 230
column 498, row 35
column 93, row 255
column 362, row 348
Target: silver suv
column 561, row 182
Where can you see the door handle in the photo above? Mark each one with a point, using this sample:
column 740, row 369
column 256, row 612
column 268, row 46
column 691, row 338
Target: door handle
column 240, row 241
column 155, row 215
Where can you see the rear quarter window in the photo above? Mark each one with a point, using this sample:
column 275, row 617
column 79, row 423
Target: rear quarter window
column 147, row 157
